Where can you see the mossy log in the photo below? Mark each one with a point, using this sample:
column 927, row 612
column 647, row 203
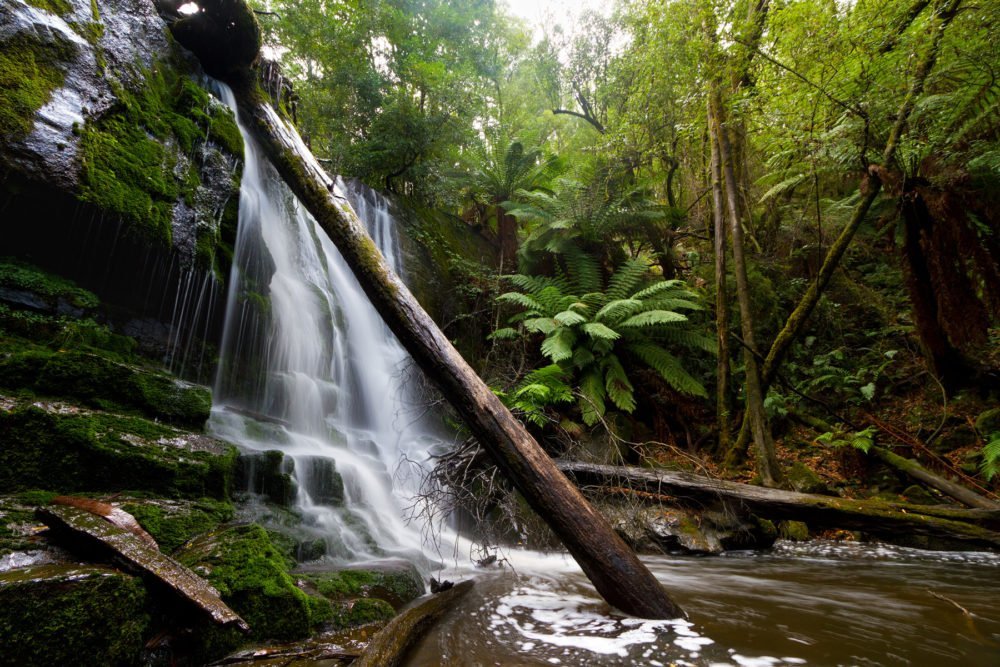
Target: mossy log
column 389, row 646
column 83, row 531
column 920, row 525
column 908, row 467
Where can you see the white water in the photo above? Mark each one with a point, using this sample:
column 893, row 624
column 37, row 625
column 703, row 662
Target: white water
column 308, row 367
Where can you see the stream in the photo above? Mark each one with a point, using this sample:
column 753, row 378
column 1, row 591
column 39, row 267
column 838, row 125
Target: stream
column 323, row 380
column 816, row 603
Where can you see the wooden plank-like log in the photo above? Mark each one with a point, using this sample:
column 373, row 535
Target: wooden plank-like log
column 390, row 644
column 951, row 527
column 85, row 531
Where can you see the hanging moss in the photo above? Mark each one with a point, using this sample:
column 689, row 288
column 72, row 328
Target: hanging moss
column 71, row 615
column 29, row 72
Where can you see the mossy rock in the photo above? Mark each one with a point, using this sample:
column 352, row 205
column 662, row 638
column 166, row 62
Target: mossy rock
column 57, row 446
column 71, row 615
column 361, row 612
column 29, row 73
column 795, row 531
column 919, row 495
column 802, row 479
column 46, row 290
column 18, row 523
column 268, row 474
column 251, row 574
column 174, row 522
column 100, row 382
column 397, row 582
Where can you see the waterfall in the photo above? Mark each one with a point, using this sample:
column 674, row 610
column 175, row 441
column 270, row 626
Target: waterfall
column 309, row 368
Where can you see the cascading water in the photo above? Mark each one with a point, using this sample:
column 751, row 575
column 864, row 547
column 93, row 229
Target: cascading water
column 308, row 367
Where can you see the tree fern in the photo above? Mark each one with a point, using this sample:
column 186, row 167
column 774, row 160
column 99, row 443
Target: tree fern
column 586, row 335
column 990, row 465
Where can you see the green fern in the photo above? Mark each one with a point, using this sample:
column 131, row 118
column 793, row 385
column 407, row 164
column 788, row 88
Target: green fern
column 990, row 465
column 588, row 332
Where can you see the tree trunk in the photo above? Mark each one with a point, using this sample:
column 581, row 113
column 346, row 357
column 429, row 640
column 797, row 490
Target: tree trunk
column 767, row 461
column 722, row 399
column 613, row 568
column 507, row 236
column 935, row 526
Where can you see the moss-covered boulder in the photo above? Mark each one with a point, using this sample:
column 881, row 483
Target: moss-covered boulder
column 395, row 581
column 71, row 615
column 174, row 522
column 97, row 381
column 60, row 446
column 252, row 575
column 802, row 479
column 268, row 474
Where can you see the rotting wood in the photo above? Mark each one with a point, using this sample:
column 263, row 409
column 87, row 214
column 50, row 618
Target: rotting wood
column 614, row 569
column 88, row 532
column 390, row 644
column 113, row 515
column 945, row 526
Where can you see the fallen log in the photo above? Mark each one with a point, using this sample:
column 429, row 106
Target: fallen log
column 389, row 645
column 616, row 572
column 909, row 467
column 84, row 531
column 942, row 527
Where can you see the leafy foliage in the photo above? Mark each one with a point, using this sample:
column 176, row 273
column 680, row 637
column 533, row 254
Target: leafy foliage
column 588, row 330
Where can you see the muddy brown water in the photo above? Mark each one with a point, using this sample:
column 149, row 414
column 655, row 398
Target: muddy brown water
column 816, row 604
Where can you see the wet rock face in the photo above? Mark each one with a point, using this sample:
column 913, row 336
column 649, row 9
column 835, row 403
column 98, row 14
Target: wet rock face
column 100, row 107
column 672, row 530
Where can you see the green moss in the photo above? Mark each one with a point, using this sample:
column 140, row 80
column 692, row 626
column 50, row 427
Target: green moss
column 172, row 523
column 251, row 574
column 20, row 275
column 60, row 7
column 397, row 585
column 100, row 382
column 71, row 615
column 70, row 450
column 128, row 164
column 362, row 612
column 793, row 530
column 29, row 72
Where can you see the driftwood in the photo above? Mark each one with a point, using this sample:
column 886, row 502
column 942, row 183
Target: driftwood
column 85, row 531
column 113, row 515
column 389, row 645
column 940, row 526
column 616, row 572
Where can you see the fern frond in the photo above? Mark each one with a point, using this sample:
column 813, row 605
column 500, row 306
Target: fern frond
column 668, row 303
column 669, row 368
column 656, row 288
column 592, row 395
column 617, row 384
column 518, row 299
column 991, row 457
column 618, row 309
column 544, row 325
column 569, row 318
column 504, row 333
column 559, row 345
column 651, row 317
column 626, row 279
column 689, row 339
column 598, row 330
